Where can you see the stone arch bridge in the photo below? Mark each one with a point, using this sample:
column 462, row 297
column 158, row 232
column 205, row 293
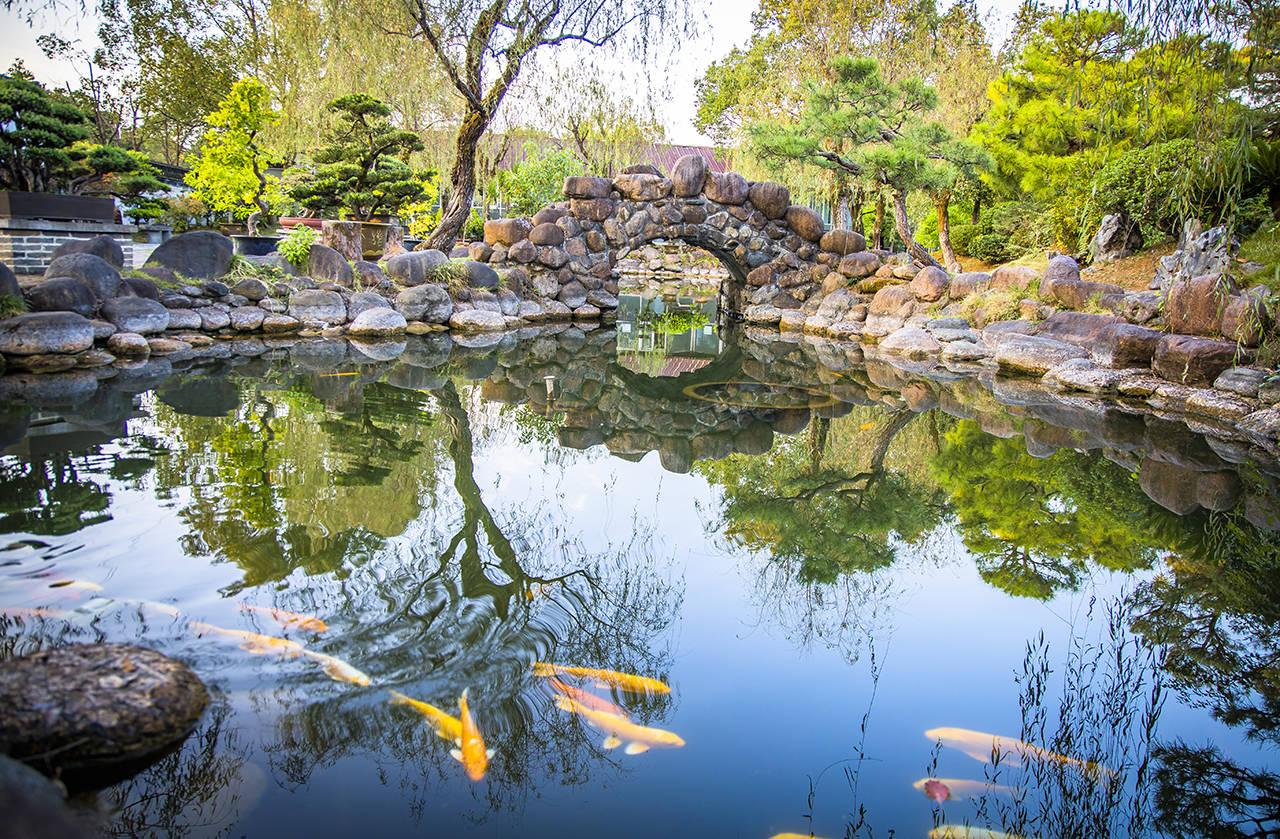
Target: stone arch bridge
column 567, row 252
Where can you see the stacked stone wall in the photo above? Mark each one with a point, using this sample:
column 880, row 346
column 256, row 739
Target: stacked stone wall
column 27, row 245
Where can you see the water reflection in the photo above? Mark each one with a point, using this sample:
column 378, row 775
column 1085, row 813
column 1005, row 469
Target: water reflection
column 425, row 504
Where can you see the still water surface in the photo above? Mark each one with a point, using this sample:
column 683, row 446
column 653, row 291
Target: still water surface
column 822, row 564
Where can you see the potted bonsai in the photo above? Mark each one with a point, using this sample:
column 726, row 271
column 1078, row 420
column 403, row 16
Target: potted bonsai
column 48, row 169
column 230, row 169
column 361, row 169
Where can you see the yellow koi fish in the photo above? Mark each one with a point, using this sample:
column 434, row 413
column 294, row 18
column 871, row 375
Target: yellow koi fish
column 961, row 831
column 590, row 700
column 252, row 642
column 978, row 746
column 450, row 728
column 793, row 835
column 639, row 738
column 289, row 620
column 960, row 786
column 624, row 681
column 337, row 669
column 475, row 760
column 76, row 585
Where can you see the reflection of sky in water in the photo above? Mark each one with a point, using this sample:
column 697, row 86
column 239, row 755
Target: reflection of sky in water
column 772, row 678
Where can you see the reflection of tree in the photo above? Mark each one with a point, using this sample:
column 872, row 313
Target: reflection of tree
column 1035, row 525
column 207, row 786
column 1218, row 612
column 831, row 519
column 50, row 496
column 1200, row 792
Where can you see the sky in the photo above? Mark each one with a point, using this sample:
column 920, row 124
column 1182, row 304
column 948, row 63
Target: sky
column 728, row 25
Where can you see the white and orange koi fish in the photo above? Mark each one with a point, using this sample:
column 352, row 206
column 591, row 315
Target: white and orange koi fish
column 252, row 642
column 639, row 738
column 979, row 745
column 960, row 786
column 337, row 669
column 289, row 620
column 590, row 700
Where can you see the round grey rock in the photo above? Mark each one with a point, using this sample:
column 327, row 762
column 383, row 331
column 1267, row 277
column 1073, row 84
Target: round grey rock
column 247, row 318
column 480, row 275
column 91, row 706
column 429, row 303
column 37, row 333
column 128, row 345
column 62, row 294
column 318, row 305
column 477, row 320
column 363, row 301
column 102, row 246
column 326, row 265
column 199, row 255
column 136, row 314
column 100, row 276
column 251, row 288
column 377, row 323
column 416, row 267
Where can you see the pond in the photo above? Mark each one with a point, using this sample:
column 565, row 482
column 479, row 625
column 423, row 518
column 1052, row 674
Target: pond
column 849, row 574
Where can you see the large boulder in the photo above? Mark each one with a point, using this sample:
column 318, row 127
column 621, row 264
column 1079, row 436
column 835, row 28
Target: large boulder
column 318, row 305
column 727, row 188
column 1118, row 236
column 583, row 186
column 911, row 341
column 416, row 267
column 1196, row 306
column 477, row 320
column 363, row 301
column 429, row 303
column 1199, row 252
column 970, row 282
column 37, row 333
column 930, row 284
column 1079, row 328
column 326, row 265
column 142, row 287
column 102, row 246
column 96, row 273
column 1122, row 345
column 1076, row 294
column 62, row 294
column 806, row 222
column 1060, row 269
column 1193, row 361
column 136, row 314
column 199, row 255
column 1014, row 276
column 507, row 231
column 842, row 242
column 1034, row 355
column 642, row 187
column 368, row 274
column 377, row 323
column 90, row 706
column 547, row 233
column 772, row 199
column 9, row 282
column 480, row 275
column 688, row 176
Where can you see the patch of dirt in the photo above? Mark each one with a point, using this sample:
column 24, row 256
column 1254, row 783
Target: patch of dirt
column 1132, row 274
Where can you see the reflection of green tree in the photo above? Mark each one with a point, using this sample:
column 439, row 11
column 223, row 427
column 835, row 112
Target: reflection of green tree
column 1218, row 612
column 1035, row 525
column 50, row 497
column 1200, row 792
column 832, row 518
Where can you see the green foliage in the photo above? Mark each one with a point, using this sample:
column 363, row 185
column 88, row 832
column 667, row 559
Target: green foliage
column 359, row 168
column 37, row 130
column 1036, row 525
column 473, row 230
column 11, row 304
column 537, row 180
column 185, row 212
column 678, row 323
column 229, row 171
column 992, row 247
column 296, row 247
column 243, row 269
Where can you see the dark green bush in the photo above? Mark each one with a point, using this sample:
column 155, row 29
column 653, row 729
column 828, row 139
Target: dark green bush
column 990, row 247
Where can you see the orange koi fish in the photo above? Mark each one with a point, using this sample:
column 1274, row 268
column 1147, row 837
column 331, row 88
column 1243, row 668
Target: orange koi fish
column 450, row 728
column 252, row 642
column 76, row 585
column 289, row 620
column 475, row 760
column 624, row 681
column 337, row 669
column 590, row 700
column 959, row 786
column 978, row 746
column 639, row 738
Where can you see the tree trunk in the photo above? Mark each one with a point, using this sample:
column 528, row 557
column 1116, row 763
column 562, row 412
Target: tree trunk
column 855, row 210
column 877, row 239
column 942, row 204
column 917, row 251
column 977, row 209
column 463, row 180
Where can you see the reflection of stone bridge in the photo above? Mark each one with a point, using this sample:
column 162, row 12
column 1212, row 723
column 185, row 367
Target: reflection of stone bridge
column 761, row 384
column 569, row 250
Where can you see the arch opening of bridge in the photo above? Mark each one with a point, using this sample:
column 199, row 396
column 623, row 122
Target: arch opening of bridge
column 565, row 256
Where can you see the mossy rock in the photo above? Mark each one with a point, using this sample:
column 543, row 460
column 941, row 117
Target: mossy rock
column 89, row 707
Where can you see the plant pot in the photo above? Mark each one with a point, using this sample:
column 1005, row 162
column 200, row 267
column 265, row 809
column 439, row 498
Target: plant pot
column 255, row 245
column 291, row 222
column 49, row 205
column 229, row 229
column 373, row 239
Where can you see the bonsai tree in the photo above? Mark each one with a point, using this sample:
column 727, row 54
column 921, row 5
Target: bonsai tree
column 230, row 169
column 37, row 130
column 118, row 173
column 362, row 166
